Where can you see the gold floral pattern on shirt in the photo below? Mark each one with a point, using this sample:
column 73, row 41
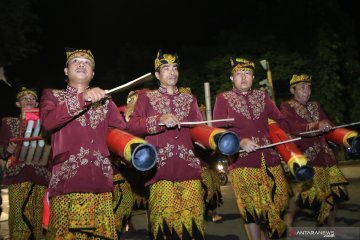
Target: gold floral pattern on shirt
column 239, row 104
column 311, row 152
column 103, row 163
column 70, row 167
column 189, row 156
column 257, row 102
column 310, row 112
column 161, row 103
column 69, row 98
column 151, row 124
column 14, row 125
column 164, row 153
column 94, row 115
column 182, row 103
column 97, row 113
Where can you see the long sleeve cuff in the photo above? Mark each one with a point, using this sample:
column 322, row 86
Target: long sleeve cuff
column 152, row 124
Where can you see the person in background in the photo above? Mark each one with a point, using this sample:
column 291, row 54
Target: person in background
column 328, row 187
column 26, row 181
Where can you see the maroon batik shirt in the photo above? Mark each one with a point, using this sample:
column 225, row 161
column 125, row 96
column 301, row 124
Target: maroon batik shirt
column 176, row 160
column 80, row 155
column 303, row 118
column 251, row 112
column 22, row 171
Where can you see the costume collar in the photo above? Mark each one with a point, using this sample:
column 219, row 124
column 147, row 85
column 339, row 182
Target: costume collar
column 237, row 91
column 72, row 90
column 164, row 90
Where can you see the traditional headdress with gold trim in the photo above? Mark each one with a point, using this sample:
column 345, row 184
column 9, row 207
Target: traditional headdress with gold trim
column 299, row 79
column 24, row 91
column 165, row 58
column 72, row 53
column 238, row 64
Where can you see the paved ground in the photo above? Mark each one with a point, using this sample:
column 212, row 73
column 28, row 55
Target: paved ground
column 231, row 228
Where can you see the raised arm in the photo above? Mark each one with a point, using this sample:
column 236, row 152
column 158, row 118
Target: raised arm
column 55, row 114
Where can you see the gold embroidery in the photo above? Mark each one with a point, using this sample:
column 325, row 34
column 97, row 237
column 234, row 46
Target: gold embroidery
column 238, row 103
column 70, row 167
column 182, row 104
column 162, row 104
column 184, row 153
column 70, row 99
column 151, row 124
column 104, row 163
column 96, row 113
column 313, row 108
column 312, row 152
column 310, row 113
column 257, row 101
column 163, row 154
column 159, row 102
column 189, row 156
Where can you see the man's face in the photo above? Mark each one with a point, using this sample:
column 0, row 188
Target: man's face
column 79, row 70
column 302, row 92
column 242, row 80
column 168, row 74
column 27, row 101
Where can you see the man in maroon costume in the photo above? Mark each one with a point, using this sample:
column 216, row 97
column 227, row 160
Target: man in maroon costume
column 176, row 199
column 82, row 177
column 256, row 175
column 328, row 186
column 26, row 180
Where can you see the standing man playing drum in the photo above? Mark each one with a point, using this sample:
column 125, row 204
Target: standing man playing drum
column 257, row 178
column 176, row 198
column 328, row 186
column 81, row 185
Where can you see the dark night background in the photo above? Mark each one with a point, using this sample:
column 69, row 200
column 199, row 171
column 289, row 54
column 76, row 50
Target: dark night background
column 317, row 37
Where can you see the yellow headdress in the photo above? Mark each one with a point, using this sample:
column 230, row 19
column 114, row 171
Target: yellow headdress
column 162, row 59
column 238, row 64
column 300, row 78
column 72, row 53
column 24, row 91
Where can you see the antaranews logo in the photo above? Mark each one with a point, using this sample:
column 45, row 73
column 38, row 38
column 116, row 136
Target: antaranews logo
column 311, row 233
